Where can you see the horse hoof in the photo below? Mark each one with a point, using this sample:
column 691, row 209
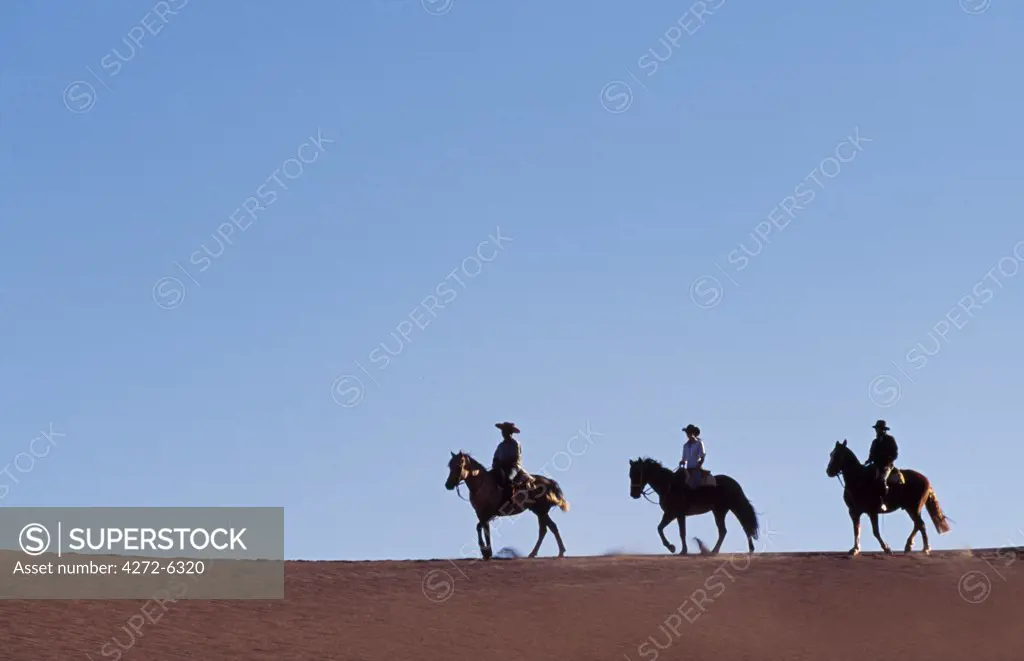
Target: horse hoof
column 927, row 551
column 888, row 551
column 671, row 548
column 854, row 552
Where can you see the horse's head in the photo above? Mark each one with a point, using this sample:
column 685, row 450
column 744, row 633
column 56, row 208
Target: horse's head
column 637, row 481
column 458, row 470
column 837, row 459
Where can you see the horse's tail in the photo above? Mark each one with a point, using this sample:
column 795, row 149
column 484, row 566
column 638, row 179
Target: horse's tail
column 556, row 497
column 744, row 511
column 938, row 517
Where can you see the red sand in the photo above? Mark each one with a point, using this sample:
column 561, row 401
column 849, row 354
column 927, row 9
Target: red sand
column 768, row 606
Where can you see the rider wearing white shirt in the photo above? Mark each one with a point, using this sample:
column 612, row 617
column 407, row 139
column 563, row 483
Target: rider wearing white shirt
column 693, row 456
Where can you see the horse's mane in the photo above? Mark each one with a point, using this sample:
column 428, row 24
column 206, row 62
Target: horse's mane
column 650, row 462
column 472, row 460
column 853, row 454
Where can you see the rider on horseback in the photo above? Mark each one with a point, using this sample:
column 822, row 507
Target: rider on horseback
column 693, row 456
column 882, row 456
column 508, row 459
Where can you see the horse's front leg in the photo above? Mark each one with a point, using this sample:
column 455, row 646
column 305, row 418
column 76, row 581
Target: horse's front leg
column 855, row 517
column 483, row 529
column 874, row 528
column 665, row 520
column 682, row 532
column 480, row 539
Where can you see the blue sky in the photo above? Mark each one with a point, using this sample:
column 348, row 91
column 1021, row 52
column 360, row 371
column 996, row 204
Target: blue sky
column 616, row 298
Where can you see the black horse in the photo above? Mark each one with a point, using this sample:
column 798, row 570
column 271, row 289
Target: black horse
column 678, row 501
column 861, row 494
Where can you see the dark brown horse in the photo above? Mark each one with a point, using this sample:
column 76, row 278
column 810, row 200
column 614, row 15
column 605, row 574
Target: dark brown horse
column 678, row 502
column 490, row 500
column 861, row 492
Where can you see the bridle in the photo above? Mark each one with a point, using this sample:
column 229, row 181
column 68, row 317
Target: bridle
column 462, row 479
column 839, row 472
column 645, row 491
column 462, row 471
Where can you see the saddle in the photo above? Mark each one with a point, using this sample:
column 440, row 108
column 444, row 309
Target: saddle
column 706, row 478
column 518, row 492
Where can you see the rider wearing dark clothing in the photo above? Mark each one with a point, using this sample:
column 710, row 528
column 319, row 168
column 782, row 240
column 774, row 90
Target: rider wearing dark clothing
column 508, row 457
column 882, row 456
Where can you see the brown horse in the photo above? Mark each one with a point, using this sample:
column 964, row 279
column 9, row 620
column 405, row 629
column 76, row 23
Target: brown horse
column 490, row 500
column 678, row 501
column 861, row 493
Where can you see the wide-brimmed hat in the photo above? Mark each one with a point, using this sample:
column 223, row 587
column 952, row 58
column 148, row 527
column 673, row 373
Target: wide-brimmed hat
column 881, row 424
column 692, row 428
column 507, row 426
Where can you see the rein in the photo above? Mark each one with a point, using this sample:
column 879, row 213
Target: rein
column 458, row 490
column 839, row 475
column 459, row 493
column 647, row 491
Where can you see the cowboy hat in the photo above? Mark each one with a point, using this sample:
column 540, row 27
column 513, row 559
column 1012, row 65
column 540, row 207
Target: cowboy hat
column 507, row 426
column 694, row 428
column 881, row 424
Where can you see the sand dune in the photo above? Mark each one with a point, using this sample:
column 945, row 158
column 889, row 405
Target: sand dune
column 794, row 606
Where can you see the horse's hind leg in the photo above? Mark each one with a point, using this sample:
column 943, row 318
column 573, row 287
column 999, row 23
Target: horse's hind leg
column 542, row 524
column 918, row 525
column 924, row 533
column 909, row 546
column 558, row 537
column 878, row 536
